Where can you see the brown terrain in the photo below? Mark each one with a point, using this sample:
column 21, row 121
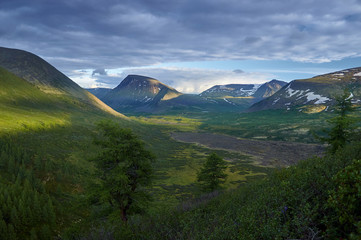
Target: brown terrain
column 266, row 153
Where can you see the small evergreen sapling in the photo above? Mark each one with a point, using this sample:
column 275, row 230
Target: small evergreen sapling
column 212, row 174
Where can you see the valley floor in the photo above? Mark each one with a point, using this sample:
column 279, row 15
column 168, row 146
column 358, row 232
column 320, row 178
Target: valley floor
column 262, row 152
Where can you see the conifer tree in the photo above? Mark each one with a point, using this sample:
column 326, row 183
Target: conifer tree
column 212, row 174
column 342, row 125
column 125, row 168
column 3, row 229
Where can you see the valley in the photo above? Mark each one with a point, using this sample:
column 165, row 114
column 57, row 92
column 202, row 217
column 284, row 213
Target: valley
column 48, row 124
column 264, row 153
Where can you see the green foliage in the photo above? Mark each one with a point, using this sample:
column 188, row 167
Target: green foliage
column 342, row 124
column 346, row 200
column 212, row 174
column 291, row 204
column 125, row 169
column 26, row 209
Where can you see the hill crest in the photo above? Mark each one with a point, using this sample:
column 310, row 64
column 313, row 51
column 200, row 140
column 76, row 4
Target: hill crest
column 318, row 92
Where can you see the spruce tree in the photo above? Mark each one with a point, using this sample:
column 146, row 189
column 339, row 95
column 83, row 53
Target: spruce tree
column 125, row 168
column 212, row 174
column 342, row 124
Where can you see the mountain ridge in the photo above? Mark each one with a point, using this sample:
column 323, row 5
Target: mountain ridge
column 136, row 91
column 318, row 92
column 48, row 79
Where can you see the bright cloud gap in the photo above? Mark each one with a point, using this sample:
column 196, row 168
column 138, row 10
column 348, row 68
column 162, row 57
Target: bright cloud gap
column 186, row 80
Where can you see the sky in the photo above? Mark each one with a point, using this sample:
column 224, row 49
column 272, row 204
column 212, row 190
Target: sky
column 190, row 45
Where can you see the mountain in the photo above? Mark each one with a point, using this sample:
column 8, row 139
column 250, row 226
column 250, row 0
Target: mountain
column 257, row 91
column 99, row 92
column 137, row 92
column 269, row 88
column 314, row 94
column 144, row 94
column 48, row 79
column 233, row 90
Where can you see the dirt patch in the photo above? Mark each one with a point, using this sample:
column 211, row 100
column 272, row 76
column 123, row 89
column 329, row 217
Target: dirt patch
column 266, row 153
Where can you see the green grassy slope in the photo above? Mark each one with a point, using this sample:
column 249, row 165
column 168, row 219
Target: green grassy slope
column 23, row 105
column 48, row 79
column 60, row 130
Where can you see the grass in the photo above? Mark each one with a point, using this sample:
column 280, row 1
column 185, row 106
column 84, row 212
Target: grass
column 62, row 129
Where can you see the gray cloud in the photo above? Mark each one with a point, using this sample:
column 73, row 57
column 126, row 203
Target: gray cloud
column 238, row 71
column 99, row 71
column 79, row 34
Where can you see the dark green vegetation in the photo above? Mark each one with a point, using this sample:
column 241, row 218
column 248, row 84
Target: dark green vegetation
column 301, row 202
column 212, row 173
column 342, row 124
column 47, row 146
column 56, row 131
column 26, row 207
column 125, row 170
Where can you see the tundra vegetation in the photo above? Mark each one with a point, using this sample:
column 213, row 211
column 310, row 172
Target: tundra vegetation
column 53, row 181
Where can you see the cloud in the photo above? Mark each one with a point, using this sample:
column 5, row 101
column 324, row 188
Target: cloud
column 100, row 71
column 186, row 80
column 91, row 34
column 238, row 71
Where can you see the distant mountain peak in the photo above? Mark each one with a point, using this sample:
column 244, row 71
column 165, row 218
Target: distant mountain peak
column 234, row 90
column 244, row 90
column 137, row 91
column 316, row 92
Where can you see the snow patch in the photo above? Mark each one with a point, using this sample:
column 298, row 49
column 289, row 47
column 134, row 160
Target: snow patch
column 320, row 99
column 351, row 96
column 228, row 101
column 338, row 74
column 274, row 102
column 146, row 99
column 292, row 92
column 357, row 74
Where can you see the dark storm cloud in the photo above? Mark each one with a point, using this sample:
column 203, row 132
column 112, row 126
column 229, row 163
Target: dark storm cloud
column 79, row 34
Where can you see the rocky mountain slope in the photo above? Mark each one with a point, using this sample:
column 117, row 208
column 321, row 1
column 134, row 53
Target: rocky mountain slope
column 99, row 92
column 232, row 90
column 315, row 94
column 144, row 94
column 48, row 79
column 268, row 89
column 244, row 90
column 139, row 92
